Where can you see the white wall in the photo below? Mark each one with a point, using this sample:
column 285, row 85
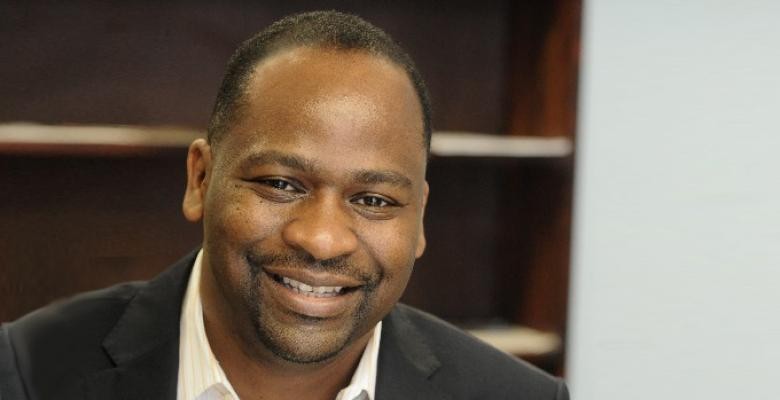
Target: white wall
column 676, row 269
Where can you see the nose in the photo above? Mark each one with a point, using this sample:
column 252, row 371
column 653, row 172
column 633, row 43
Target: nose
column 322, row 228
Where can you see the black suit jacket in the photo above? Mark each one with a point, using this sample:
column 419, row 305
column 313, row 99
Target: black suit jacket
column 123, row 343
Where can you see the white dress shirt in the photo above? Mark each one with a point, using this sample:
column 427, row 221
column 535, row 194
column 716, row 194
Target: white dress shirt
column 202, row 378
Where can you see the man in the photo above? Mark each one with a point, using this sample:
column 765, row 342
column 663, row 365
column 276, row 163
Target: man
column 311, row 190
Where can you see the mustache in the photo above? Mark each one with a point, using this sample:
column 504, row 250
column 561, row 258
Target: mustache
column 339, row 265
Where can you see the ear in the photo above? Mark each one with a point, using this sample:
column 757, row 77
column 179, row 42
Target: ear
column 198, row 174
column 421, row 236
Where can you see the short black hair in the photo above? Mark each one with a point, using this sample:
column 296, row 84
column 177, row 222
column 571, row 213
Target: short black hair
column 329, row 29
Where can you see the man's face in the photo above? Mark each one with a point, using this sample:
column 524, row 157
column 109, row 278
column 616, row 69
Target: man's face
column 312, row 202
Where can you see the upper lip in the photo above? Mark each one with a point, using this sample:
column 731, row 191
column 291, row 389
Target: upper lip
column 314, row 278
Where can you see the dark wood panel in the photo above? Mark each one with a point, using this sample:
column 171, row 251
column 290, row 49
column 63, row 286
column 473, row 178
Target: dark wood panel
column 544, row 67
column 71, row 224
column 152, row 63
column 543, row 78
column 489, row 242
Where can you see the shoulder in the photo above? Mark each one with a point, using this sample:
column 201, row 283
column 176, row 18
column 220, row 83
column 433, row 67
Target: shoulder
column 56, row 350
column 474, row 369
column 78, row 318
column 64, row 340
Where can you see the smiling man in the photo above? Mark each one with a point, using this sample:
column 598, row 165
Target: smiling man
column 311, row 190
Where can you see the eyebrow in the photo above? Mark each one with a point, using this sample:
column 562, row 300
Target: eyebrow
column 373, row 177
column 363, row 176
column 283, row 159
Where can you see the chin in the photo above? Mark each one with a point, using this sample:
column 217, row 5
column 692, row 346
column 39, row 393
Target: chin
column 305, row 340
column 304, row 344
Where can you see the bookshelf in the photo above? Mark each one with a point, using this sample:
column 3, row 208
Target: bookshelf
column 96, row 177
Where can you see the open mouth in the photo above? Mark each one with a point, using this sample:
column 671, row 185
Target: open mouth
column 309, row 290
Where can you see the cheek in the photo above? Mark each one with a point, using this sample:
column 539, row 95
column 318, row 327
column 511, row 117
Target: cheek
column 394, row 246
column 235, row 222
column 237, row 217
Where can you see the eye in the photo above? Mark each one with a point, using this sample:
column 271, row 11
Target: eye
column 279, row 184
column 277, row 189
column 373, row 201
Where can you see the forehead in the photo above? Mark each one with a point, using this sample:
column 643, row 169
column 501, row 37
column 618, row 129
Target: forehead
column 319, row 71
column 306, row 97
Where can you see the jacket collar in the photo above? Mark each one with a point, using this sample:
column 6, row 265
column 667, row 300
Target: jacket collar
column 144, row 343
column 406, row 362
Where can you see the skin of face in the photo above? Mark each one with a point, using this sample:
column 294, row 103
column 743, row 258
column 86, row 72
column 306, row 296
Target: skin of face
column 321, row 179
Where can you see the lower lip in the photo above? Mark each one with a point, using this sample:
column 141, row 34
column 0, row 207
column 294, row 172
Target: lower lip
column 315, row 307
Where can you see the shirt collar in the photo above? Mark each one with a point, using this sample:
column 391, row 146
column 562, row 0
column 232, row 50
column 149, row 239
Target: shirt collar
column 200, row 375
column 365, row 374
column 202, row 378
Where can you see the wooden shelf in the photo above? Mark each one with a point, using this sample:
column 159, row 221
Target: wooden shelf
column 467, row 144
column 519, row 340
column 30, row 138
column 37, row 139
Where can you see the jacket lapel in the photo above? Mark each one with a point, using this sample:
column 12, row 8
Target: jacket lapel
column 144, row 344
column 406, row 362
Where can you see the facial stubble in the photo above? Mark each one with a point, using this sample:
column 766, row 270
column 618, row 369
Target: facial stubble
column 291, row 343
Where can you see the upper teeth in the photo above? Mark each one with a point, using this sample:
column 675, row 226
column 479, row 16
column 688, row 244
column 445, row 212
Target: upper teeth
column 313, row 289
